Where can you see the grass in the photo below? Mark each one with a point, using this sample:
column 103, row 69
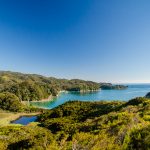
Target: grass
column 7, row 117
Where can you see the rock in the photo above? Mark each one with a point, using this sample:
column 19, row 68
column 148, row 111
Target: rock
column 148, row 95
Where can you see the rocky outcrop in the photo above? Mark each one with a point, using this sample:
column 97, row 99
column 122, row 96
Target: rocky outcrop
column 148, row 95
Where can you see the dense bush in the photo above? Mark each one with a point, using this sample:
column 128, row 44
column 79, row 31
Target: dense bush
column 140, row 139
column 29, row 91
column 9, row 101
column 111, row 87
column 28, row 87
column 28, row 137
column 137, row 101
column 85, row 126
column 148, row 95
column 100, row 125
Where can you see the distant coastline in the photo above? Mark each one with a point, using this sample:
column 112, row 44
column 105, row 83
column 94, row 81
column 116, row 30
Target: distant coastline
column 50, row 98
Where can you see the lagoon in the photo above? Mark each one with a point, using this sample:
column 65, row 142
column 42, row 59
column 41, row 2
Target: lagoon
column 133, row 90
column 24, row 120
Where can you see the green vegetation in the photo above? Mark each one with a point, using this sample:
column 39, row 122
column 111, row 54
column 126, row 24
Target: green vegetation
column 26, row 137
column 85, row 126
column 148, row 95
column 140, row 139
column 11, row 102
column 109, row 86
column 31, row 87
column 74, row 125
column 101, row 125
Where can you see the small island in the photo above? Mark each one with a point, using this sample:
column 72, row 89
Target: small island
column 109, row 86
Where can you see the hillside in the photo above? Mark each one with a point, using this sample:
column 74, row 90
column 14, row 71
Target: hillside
column 32, row 87
column 109, row 86
column 101, row 125
column 85, row 126
column 29, row 87
column 148, row 95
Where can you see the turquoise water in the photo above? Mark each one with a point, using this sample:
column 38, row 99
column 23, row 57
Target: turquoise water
column 132, row 91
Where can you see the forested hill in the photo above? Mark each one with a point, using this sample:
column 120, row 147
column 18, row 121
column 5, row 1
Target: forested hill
column 29, row 87
column 35, row 87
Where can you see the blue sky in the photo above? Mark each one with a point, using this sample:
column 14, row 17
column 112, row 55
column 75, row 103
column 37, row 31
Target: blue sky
column 99, row 40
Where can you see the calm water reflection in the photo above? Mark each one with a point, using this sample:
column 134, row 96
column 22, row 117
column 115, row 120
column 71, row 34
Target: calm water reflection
column 24, row 120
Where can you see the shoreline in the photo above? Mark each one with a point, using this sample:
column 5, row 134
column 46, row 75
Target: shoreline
column 12, row 116
column 50, row 98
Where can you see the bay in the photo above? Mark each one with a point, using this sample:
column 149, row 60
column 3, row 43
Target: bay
column 133, row 90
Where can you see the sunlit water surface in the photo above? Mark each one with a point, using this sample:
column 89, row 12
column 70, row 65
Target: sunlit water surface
column 24, row 120
column 134, row 90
